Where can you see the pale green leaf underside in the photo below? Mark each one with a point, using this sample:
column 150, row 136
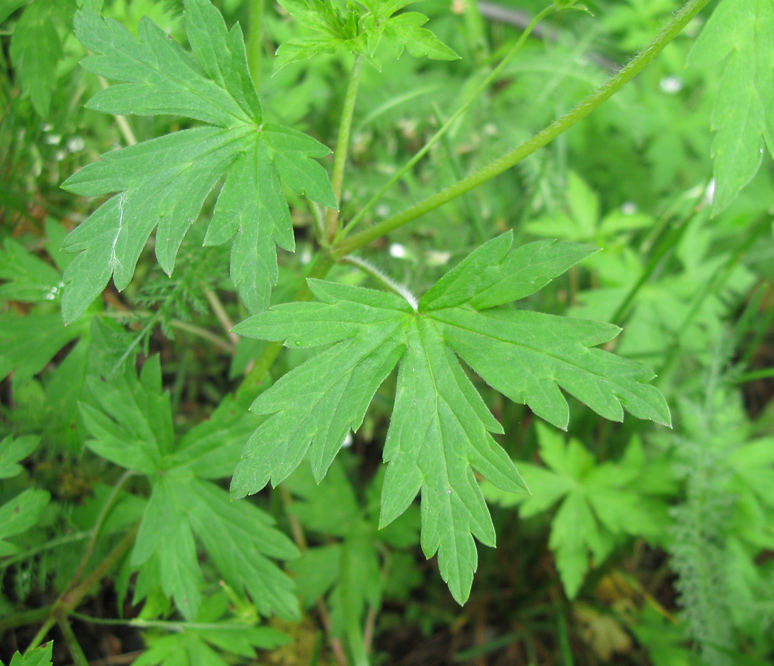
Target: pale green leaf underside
column 743, row 116
column 440, row 432
column 162, row 184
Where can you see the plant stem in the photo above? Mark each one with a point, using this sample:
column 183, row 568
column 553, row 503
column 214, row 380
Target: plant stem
column 72, row 597
column 203, row 333
column 76, row 651
column 452, row 119
column 98, row 526
column 254, row 27
column 42, row 633
column 766, row 373
column 386, row 280
column 163, row 624
column 513, row 157
column 54, row 543
column 342, row 144
column 266, row 358
column 123, row 123
column 222, row 315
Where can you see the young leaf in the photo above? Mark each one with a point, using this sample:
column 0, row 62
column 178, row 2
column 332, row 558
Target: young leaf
column 406, row 31
column 441, row 429
column 164, row 182
column 349, row 32
column 743, row 117
column 27, row 344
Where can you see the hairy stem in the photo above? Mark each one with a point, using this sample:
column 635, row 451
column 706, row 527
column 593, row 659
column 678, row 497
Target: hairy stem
column 369, row 269
column 513, row 157
column 342, row 144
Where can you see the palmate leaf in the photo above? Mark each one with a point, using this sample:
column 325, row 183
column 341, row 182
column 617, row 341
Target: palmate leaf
column 132, row 427
column 441, row 430
column 599, row 504
column 164, row 182
column 743, row 31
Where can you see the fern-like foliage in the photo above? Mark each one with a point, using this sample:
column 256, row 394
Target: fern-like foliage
column 699, row 548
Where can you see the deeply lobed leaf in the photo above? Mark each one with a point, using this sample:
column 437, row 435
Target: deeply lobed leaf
column 441, row 430
column 743, row 116
column 163, row 183
column 133, row 428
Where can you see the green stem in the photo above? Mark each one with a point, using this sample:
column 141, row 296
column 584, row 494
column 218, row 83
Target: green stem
column 271, row 351
column 452, row 119
column 49, row 545
column 98, row 526
column 498, row 166
column 163, row 624
column 667, row 245
column 342, row 144
column 254, row 25
column 76, row 651
column 41, row 635
column 203, row 333
column 766, row 373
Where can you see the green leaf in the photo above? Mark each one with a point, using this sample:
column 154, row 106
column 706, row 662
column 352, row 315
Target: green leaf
column 162, row 183
column 166, row 535
column 348, row 32
column 743, row 116
column 8, row 7
column 132, row 427
column 599, row 503
column 28, row 343
column 12, row 452
column 40, row 656
column 240, row 539
column 28, row 278
column 36, row 49
column 440, row 430
column 348, row 571
column 194, row 645
column 19, row 515
column 406, row 31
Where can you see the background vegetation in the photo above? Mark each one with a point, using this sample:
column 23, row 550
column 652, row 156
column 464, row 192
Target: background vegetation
column 639, row 545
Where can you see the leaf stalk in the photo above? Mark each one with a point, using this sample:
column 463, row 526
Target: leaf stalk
column 342, row 145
